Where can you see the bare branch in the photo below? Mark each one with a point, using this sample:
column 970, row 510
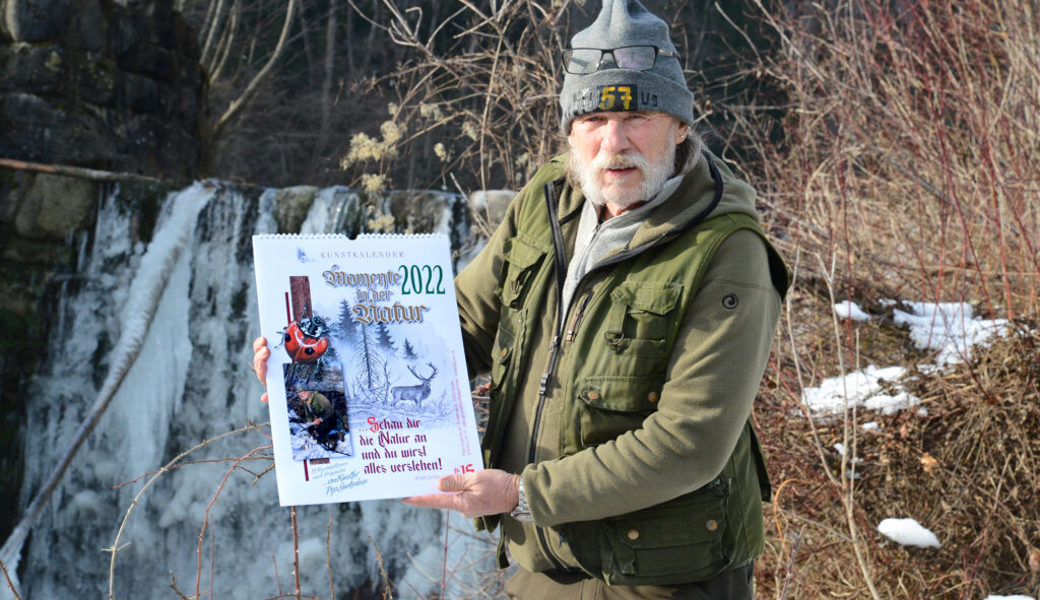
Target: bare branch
column 71, row 171
column 239, row 103
column 229, row 38
column 212, row 25
column 115, row 548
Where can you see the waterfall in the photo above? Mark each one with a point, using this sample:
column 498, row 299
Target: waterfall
column 185, row 378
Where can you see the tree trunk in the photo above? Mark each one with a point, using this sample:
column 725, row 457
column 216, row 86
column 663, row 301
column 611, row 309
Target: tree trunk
column 326, row 84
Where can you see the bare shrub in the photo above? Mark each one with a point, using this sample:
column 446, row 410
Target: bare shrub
column 909, row 145
column 483, row 81
column 902, row 141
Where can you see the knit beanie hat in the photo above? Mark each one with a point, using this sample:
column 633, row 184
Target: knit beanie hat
column 623, row 23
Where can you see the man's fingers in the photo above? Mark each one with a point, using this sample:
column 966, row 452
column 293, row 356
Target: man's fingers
column 260, row 355
column 449, row 501
column 260, row 364
column 452, row 483
column 433, row 501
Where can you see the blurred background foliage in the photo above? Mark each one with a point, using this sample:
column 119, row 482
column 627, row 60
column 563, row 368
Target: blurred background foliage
column 468, row 88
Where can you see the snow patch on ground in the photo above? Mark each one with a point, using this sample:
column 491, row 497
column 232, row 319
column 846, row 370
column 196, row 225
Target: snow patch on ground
column 847, row 309
column 908, row 532
column 864, row 388
column 950, row 328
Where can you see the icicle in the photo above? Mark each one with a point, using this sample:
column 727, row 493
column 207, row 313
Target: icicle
column 145, row 293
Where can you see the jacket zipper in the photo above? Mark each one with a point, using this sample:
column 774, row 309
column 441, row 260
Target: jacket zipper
column 561, row 274
column 569, row 334
column 543, row 383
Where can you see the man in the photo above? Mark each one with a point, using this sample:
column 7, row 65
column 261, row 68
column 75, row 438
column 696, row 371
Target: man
column 314, row 407
column 323, row 424
column 625, row 308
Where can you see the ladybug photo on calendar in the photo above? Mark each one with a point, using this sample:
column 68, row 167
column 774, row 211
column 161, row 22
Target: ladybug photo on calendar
column 367, row 378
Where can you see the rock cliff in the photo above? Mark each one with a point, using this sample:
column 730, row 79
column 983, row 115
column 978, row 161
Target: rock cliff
column 88, row 83
column 98, row 84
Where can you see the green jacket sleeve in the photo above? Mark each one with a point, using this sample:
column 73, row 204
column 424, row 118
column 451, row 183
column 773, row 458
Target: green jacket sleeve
column 475, row 288
column 712, row 379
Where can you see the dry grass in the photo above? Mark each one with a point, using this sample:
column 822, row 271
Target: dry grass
column 909, row 146
column 967, row 470
column 909, row 154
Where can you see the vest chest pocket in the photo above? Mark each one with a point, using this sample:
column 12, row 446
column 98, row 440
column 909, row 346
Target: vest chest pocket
column 610, row 406
column 501, row 358
column 522, row 262
column 501, row 355
column 642, row 320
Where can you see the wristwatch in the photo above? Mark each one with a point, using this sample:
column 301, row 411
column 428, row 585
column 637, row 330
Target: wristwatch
column 522, row 512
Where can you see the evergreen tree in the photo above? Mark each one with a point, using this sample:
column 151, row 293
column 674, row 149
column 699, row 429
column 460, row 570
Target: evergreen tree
column 347, row 326
column 368, row 357
column 383, row 338
column 409, row 350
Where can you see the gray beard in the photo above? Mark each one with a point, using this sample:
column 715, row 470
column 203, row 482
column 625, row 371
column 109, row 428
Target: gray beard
column 582, row 176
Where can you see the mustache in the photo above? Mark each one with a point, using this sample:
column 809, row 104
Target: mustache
column 625, row 160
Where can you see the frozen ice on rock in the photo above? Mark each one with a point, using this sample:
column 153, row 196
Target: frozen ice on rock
column 847, row 309
column 907, row 532
column 182, row 389
column 313, row 555
column 86, row 504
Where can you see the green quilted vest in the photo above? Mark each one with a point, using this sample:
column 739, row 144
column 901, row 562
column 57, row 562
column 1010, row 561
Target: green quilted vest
column 635, row 306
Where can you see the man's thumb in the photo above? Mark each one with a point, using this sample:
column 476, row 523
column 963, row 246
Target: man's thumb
column 452, row 483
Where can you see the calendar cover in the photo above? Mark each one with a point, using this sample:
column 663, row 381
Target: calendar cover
column 367, row 380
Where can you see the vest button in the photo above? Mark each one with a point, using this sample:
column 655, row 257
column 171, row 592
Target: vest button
column 504, row 352
column 633, row 534
column 593, row 395
column 712, row 524
column 652, row 397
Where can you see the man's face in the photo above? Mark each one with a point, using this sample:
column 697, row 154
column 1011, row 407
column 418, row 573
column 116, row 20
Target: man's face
column 623, row 158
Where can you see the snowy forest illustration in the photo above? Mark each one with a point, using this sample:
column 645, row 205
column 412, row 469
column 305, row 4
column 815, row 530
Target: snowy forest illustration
column 392, row 369
column 381, row 370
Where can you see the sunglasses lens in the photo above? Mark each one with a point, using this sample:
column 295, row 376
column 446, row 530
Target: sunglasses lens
column 637, row 58
column 581, row 61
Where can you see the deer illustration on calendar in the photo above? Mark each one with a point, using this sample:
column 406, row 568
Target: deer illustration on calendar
column 367, row 380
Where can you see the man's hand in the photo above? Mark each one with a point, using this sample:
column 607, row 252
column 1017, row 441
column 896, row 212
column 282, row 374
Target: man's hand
column 260, row 355
column 487, row 492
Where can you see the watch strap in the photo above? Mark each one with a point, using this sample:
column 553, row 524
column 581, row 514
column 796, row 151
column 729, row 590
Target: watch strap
column 522, row 512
